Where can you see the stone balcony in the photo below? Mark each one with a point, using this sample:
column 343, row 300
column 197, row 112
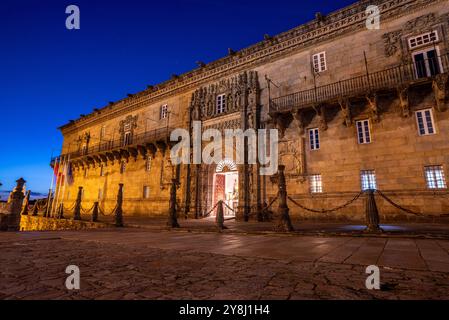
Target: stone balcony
column 147, row 143
column 397, row 80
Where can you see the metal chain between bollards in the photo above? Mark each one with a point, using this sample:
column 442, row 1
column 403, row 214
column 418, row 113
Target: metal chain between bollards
column 327, row 210
column 394, row 204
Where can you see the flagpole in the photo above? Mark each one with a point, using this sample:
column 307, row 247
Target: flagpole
column 65, row 177
column 58, row 187
column 51, row 188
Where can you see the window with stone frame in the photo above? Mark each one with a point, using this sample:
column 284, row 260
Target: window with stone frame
column 423, row 39
column 319, row 62
column 368, row 180
column 100, row 194
column 316, row 183
column 164, row 112
column 363, row 131
column 148, row 163
column 424, row 120
column 146, row 192
column 221, row 103
column 435, row 177
column 102, row 132
column 314, row 139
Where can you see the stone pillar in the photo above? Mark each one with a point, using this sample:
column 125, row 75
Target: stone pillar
column 77, row 213
column 119, row 210
column 172, row 215
column 371, row 213
column 95, row 212
column 15, row 206
column 285, row 223
column 26, row 203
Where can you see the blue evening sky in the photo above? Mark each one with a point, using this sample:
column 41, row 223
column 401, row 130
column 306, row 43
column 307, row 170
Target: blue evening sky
column 49, row 74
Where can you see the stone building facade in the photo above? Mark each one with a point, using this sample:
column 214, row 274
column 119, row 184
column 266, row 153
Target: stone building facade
column 355, row 107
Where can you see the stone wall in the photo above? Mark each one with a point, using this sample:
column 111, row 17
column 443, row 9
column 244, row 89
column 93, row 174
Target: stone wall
column 30, row 223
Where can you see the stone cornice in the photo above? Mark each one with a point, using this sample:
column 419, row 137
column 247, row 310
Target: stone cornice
column 349, row 19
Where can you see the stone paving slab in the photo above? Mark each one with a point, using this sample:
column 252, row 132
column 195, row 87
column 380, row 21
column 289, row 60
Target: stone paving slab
column 139, row 264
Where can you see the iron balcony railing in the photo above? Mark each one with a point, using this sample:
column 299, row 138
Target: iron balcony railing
column 377, row 81
column 130, row 141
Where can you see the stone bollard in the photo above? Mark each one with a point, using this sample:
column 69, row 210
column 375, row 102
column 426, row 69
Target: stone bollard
column 285, row 223
column 95, row 212
column 26, row 203
column 371, row 213
column 219, row 218
column 119, row 210
column 15, row 207
column 172, row 215
column 77, row 212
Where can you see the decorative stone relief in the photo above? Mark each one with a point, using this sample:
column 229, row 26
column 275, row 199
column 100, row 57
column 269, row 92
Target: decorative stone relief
column 235, row 90
column 128, row 125
column 321, row 113
column 440, row 87
column 345, row 106
column 373, row 107
column 392, row 42
column 420, row 24
column 404, row 102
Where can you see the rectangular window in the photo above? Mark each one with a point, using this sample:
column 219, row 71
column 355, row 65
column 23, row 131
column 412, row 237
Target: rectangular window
column 435, row 177
column 127, row 139
column 368, row 180
column 314, row 139
column 103, row 132
column 423, row 39
column 221, row 103
column 363, row 131
column 146, row 192
column 319, row 62
column 424, row 119
column 316, row 184
column 122, row 167
column 148, row 164
column 164, row 111
column 427, row 63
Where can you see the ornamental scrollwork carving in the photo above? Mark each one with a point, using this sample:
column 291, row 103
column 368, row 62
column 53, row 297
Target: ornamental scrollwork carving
column 128, row 125
column 392, row 42
column 420, row 24
column 234, row 92
column 440, row 88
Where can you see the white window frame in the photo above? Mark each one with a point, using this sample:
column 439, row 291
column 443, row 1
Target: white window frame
column 412, row 42
column 148, row 163
column 426, row 59
column 365, row 137
column 435, row 177
column 100, row 194
column 221, row 104
column 314, row 139
column 368, row 180
column 102, row 132
column 146, row 192
column 316, row 183
column 164, row 111
column 319, row 62
column 425, row 125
